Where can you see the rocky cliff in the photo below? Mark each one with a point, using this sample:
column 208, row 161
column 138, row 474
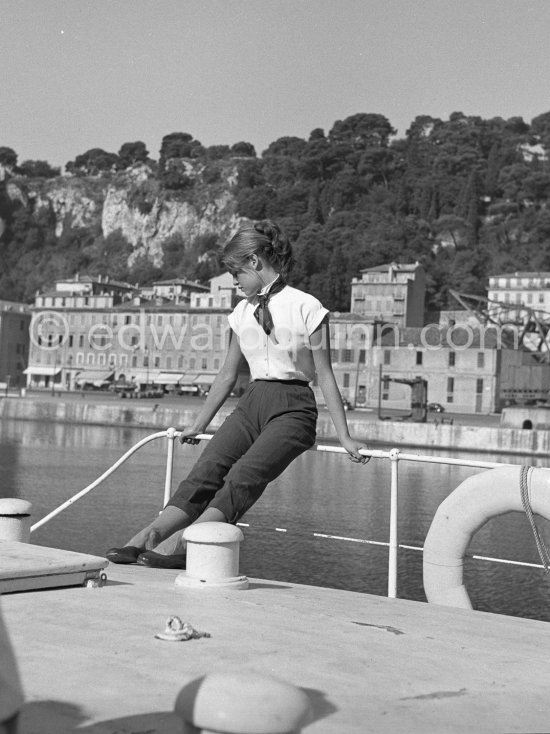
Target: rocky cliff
column 132, row 202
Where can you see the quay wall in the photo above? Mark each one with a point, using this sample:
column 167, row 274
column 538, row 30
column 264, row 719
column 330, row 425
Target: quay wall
column 491, row 439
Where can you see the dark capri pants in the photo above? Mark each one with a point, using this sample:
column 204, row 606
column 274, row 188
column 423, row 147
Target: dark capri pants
column 273, row 423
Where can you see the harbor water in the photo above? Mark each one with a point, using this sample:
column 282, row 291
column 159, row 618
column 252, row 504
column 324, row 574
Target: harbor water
column 320, row 493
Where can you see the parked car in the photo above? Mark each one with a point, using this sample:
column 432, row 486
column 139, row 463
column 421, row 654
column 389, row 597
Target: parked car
column 436, row 408
column 149, row 391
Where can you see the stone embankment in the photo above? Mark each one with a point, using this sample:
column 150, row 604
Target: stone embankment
column 490, row 439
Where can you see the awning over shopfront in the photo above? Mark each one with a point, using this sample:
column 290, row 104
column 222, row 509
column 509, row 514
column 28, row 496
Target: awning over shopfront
column 42, row 371
column 169, row 378
column 204, row 379
column 94, row 377
column 142, row 378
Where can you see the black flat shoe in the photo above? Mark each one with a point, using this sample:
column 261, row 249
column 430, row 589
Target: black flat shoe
column 157, row 560
column 127, row 554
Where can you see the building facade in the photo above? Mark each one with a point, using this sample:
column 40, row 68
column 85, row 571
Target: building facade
column 221, row 294
column 521, row 289
column 89, row 333
column 15, row 319
column 146, row 344
column 392, row 293
column 177, row 290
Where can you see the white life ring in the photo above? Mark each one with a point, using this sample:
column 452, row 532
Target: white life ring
column 462, row 514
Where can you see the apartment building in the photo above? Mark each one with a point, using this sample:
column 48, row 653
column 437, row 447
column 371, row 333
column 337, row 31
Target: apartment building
column 178, row 290
column 15, row 320
column 524, row 290
column 146, row 343
column 393, row 293
column 221, row 294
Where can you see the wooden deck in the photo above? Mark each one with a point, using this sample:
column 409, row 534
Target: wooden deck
column 90, row 661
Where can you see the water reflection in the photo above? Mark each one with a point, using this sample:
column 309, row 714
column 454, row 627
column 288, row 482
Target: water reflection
column 320, row 493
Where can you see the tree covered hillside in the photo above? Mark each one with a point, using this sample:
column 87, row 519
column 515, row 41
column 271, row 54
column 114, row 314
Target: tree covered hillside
column 467, row 197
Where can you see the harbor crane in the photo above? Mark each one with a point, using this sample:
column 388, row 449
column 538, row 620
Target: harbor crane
column 526, row 327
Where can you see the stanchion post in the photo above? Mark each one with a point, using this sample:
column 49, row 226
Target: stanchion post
column 171, row 436
column 394, row 542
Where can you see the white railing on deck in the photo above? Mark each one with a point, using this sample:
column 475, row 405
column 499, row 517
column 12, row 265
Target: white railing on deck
column 394, row 455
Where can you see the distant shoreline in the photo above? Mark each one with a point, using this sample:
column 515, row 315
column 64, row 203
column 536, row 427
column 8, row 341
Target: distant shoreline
column 389, row 433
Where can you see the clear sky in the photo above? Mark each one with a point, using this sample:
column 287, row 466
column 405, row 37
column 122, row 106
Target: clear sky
column 80, row 74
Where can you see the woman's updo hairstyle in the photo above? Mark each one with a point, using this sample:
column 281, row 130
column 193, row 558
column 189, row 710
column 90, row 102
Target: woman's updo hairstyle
column 264, row 238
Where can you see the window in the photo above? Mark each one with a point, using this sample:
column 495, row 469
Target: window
column 334, row 355
column 419, row 356
column 192, row 363
column 452, row 359
column 479, row 386
column 157, row 361
column 81, row 340
column 168, row 363
column 346, row 379
column 387, row 356
column 450, row 389
column 204, row 364
column 70, row 340
column 481, row 359
column 134, row 361
column 362, row 356
column 347, row 355
column 180, row 362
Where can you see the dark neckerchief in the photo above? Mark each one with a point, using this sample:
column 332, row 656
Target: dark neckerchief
column 261, row 312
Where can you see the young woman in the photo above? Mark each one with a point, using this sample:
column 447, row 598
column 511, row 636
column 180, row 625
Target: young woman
column 283, row 334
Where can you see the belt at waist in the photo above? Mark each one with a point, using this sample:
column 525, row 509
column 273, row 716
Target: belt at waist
column 303, row 383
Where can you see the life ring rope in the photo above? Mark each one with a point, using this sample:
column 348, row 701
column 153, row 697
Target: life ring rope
column 544, row 553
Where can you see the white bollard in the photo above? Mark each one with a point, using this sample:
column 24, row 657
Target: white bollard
column 234, row 703
column 212, row 557
column 15, row 519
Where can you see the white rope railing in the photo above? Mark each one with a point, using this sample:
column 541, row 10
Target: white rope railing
column 394, row 455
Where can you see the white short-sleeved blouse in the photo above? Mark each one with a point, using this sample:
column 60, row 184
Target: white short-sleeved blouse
column 286, row 353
